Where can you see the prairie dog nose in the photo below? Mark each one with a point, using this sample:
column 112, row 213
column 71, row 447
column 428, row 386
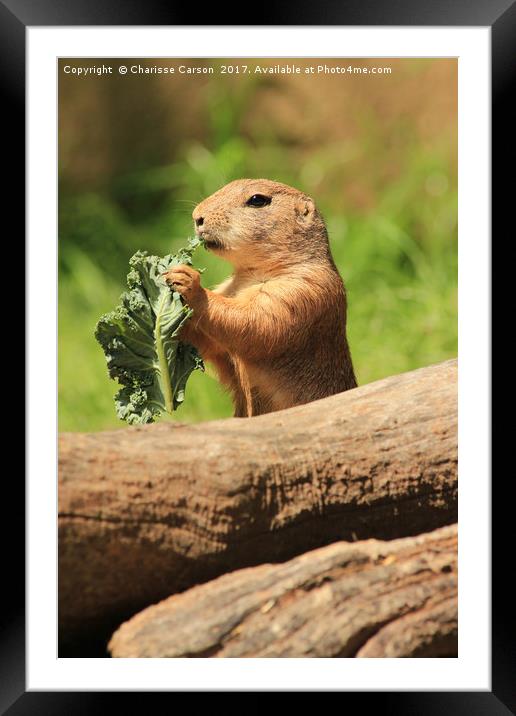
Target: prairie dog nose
column 197, row 217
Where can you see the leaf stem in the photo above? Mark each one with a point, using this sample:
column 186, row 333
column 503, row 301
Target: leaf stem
column 163, row 365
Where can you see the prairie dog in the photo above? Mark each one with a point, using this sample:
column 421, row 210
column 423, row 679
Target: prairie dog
column 276, row 329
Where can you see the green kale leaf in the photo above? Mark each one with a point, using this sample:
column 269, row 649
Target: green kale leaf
column 139, row 339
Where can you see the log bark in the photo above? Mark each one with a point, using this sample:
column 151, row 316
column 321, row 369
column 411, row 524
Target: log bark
column 367, row 599
column 149, row 511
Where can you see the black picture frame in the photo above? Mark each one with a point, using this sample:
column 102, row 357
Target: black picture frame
column 15, row 17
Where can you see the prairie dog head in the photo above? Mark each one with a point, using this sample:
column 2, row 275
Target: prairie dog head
column 255, row 223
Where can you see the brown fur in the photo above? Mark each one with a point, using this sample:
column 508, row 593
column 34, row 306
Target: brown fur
column 276, row 329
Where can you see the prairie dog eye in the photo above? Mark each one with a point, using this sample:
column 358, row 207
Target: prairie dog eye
column 258, row 200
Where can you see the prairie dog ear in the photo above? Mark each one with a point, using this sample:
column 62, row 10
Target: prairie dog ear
column 305, row 210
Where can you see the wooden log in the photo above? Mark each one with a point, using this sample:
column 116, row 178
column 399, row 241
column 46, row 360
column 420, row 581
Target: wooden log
column 363, row 599
column 149, row 511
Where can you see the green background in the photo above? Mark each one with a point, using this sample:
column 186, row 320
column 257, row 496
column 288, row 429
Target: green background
column 378, row 153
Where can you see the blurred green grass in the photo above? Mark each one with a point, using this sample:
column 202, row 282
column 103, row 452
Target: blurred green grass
column 397, row 254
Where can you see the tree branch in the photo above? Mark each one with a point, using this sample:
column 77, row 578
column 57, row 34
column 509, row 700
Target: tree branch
column 368, row 599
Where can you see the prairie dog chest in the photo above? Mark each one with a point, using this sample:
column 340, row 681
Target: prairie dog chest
column 241, row 284
column 250, row 376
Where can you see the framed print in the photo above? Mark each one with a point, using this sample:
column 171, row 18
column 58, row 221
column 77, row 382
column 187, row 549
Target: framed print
column 272, row 242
